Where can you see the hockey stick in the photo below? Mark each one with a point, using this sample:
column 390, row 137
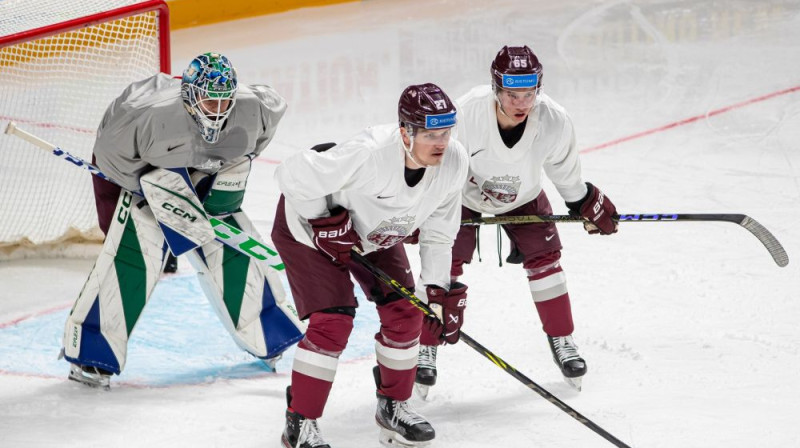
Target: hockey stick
column 496, row 360
column 225, row 233
column 764, row 236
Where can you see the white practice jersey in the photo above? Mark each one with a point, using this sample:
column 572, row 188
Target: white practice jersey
column 500, row 178
column 147, row 126
column 366, row 175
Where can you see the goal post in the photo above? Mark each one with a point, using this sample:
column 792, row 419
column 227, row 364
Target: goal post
column 61, row 64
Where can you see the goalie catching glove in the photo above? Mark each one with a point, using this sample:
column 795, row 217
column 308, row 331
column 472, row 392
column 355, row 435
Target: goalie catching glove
column 598, row 209
column 334, row 235
column 452, row 304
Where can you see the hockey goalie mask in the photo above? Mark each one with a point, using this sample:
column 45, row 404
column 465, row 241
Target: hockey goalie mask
column 208, row 89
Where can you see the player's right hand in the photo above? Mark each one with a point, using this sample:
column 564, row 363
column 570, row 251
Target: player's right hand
column 334, row 236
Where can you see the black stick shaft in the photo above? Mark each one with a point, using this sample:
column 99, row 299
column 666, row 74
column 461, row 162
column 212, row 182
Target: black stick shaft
column 764, row 236
column 638, row 217
column 496, row 360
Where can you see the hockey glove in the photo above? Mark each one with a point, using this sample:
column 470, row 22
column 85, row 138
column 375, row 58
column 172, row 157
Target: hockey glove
column 598, row 209
column 334, row 235
column 452, row 304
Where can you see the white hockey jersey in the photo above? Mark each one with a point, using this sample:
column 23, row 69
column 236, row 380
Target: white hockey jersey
column 366, row 175
column 500, row 178
column 147, row 126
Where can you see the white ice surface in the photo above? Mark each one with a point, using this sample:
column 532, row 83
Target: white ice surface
column 689, row 329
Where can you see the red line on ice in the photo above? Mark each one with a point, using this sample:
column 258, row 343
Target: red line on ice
column 31, row 316
column 690, row 119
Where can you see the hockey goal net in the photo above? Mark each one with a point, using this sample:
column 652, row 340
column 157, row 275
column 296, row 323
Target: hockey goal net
column 61, row 65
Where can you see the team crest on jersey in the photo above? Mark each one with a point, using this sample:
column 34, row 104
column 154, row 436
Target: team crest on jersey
column 503, row 189
column 388, row 233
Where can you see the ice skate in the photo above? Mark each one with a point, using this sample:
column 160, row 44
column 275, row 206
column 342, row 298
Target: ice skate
column 300, row 432
column 400, row 425
column 90, row 376
column 566, row 357
column 426, row 370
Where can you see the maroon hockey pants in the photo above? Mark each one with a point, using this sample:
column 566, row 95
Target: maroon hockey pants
column 541, row 247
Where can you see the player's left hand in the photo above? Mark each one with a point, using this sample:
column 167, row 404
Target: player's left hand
column 598, row 209
column 452, row 303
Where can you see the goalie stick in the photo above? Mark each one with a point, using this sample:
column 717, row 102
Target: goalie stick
column 496, row 360
column 224, row 232
column 764, row 236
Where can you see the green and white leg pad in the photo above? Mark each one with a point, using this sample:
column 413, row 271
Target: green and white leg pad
column 119, row 285
column 247, row 295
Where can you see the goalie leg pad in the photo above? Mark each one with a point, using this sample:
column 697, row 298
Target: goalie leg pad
column 247, row 295
column 120, row 283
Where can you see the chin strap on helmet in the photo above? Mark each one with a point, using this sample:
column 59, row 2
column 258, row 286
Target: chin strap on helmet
column 408, row 152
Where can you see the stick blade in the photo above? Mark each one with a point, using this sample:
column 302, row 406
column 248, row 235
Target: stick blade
column 767, row 239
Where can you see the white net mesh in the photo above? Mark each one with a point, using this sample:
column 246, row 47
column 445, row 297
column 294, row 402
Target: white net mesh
column 58, row 88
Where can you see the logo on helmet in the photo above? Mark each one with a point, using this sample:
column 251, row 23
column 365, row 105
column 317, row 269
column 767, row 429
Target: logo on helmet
column 520, row 81
column 440, row 121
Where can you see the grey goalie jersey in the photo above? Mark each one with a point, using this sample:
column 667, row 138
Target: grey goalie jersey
column 148, row 126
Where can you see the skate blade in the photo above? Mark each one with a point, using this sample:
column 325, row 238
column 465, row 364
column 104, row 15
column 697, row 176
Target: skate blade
column 91, row 382
column 391, row 439
column 94, row 381
column 575, row 383
column 421, row 391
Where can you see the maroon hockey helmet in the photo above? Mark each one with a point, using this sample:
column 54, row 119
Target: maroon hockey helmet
column 516, row 68
column 426, row 106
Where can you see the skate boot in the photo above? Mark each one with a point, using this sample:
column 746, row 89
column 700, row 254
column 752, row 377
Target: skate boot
column 426, row 370
column 400, row 425
column 300, row 432
column 566, row 357
column 90, row 376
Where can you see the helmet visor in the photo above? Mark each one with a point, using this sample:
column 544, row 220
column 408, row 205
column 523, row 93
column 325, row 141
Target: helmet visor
column 517, row 98
column 433, row 136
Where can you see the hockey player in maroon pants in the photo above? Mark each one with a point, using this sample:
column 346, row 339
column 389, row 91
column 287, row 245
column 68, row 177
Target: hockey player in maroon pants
column 513, row 132
column 373, row 191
